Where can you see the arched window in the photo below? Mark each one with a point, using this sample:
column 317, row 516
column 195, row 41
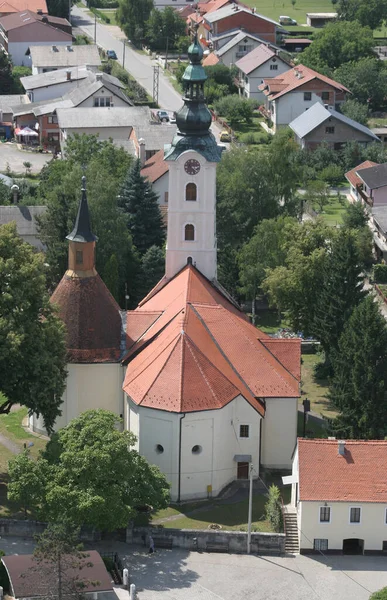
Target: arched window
column 189, row 233
column 191, row 192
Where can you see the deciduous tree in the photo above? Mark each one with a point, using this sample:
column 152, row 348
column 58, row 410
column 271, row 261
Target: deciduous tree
column 32, row 341
column 356, row 111
column 367, row 80
column 369, row 13
column 133, row 15
column 90, row 475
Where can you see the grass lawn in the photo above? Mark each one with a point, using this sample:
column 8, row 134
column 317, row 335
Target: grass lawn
column 333, row 211
column 111, row 14
column 275, row 8
column 11, row 427
column 269, row 321
column 377, row 122
column 316, row 390
column 254, row 126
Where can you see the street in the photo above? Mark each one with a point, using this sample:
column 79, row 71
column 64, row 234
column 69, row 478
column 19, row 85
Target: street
column 138, row 65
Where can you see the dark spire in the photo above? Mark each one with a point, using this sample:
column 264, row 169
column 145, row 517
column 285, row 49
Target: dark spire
column 82, row 229
column 194, row 118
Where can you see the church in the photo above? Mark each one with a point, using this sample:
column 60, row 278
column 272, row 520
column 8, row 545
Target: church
column 205, row 392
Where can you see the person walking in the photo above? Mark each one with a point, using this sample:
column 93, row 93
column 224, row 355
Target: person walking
column 151, row 545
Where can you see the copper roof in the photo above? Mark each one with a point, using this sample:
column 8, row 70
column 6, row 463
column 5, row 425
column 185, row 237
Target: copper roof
column 351, row 175
column 357, row 476
column 155, row 167
column 92, row 319
column 194, row 350
column 275, row 87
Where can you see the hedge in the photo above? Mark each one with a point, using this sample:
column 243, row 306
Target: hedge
column 380, row 273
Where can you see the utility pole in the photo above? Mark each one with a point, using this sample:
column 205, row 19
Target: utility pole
column 250, row 509
column 123, row 55
column 69, row 11
column 166, row 55
column 156, row 73
column 95, row 28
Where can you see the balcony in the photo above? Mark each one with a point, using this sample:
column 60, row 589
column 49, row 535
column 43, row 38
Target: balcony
column 369, row 201
column 239, row 82
column 265, row 112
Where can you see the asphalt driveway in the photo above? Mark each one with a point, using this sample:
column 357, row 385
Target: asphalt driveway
column 10, row 154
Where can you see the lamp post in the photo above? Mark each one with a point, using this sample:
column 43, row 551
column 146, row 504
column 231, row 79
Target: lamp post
column 250, row 515
column 166, row 54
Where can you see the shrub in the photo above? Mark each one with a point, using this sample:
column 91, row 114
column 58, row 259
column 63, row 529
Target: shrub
column 380, row 273
column 273, row 509
column 100, row 15
column 255, row 137
column 235, row 108
column 380, row 595
column 333, row 174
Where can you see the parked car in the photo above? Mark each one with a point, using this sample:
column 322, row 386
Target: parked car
column 285, row 20
column 225, row 136
column 111, row 54
column 163, row 116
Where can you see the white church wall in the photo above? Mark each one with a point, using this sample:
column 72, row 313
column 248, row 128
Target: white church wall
column 87, row 387
column 216, row 432
column 160, row 187
column 279, row 432
column 200, row 213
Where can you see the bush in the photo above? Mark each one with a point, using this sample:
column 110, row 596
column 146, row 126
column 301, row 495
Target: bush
column 100, row 15
column 380, row 595
column 333, row 174
column 380, row 273
column 254, row 137
column 273, row 509
column 235, row 109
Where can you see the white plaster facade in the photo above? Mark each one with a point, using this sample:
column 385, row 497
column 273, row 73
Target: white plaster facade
column 215, row 432
column 103, row 133
column 88, row 386
column 271, row 68
column 50, row 92
column 279, row 432
column 17, row 50
column 199, row 213
column 240, row 49
column 286, row 108
column 161, row 188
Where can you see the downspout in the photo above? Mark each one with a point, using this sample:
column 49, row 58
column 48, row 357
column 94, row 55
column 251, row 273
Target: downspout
column 179, row 469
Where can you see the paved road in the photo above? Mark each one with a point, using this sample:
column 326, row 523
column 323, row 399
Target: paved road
column 138, row 65
column 181, row 575
column 9, row 154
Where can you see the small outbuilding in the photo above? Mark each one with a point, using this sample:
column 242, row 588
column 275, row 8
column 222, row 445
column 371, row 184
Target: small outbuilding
column 320, row 19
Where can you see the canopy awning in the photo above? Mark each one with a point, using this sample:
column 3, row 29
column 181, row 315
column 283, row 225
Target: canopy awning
column 26, row 131
column 242, row 457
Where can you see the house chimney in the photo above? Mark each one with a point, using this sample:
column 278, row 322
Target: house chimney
column 141, row 143
column 68, row 75
column 39, row 11
column 341, row 444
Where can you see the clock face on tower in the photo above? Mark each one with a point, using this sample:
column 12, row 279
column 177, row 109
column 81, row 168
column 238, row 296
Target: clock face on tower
column 192, row 166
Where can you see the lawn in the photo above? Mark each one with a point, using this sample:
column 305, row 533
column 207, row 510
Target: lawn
column 275, row 8
column 333, row 211
column 377, row 122
column 111, row 14
column 316, row 390
column 270, row 321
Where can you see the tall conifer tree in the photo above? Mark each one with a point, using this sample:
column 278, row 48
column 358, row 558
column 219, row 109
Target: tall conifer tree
column 139, row 202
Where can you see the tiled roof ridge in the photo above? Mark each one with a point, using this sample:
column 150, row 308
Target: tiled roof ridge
column 295, row 340
column 347, row 441
column 172, row 344
column 221, row 349
column 233, row 317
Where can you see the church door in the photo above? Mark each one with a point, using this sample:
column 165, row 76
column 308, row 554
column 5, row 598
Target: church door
column 243, row 470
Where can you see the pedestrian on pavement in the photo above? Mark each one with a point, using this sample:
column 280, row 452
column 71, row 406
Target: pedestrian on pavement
column 151, row 545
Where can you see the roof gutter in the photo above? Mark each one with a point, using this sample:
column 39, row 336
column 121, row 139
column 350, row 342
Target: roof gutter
column 179, row 468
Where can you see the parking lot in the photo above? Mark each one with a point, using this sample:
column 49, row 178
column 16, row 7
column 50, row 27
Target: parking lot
column 10, row 154
column 180, row 575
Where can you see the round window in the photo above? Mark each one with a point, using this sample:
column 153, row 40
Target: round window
column 159, row 449
column 196, row 449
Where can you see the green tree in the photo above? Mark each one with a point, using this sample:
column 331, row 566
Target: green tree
column 5, row 194
column 152, row 269
column 355, row 216
column 111, row 276
column 182, row 44
column 338, row 43
column 340, row 292
column 139, row 203
column 356, row 111
column 6, row 81
column 273, row 509
column 359, row 385
column 317, row 192
column 235, row 109
column 27, row 487
column 367, row 80
column 91, row 475
column 58, row 8
column 32, row 340
column 17, row 73
column 133, row 15
column 369, row 13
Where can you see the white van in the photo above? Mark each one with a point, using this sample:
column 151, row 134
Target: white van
column 284, row 20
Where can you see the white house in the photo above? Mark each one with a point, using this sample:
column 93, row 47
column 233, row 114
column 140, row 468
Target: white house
column 53, row 84
column 356, row 184
column 207, row 394
column 156, row 170
column 260, row 63
column 53, row 57
column 25, row 218
column 339, row 489
column 290, row 94
column 234, row 45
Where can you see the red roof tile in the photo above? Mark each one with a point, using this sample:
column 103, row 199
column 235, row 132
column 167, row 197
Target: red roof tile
column 201, row 352
column 19, row 5
column 210, row 60
column 92, row 319
column 155, row 167
column 351, row 175
column 289, row 81
column 358, row 476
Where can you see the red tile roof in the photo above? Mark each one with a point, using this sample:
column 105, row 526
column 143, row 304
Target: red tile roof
column 201, row 352
column 358, row 476
column 210, row 60
column 18, row 5
column 92, row 319
column 275, row 87
column 155, row 167
column 351, row 175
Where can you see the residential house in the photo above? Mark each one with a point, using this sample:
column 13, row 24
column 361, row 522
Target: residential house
column 339, row 490
column 234, row 16
column 156, row 170
column 55, row 57
column 195, row 20
column 8, row 7
column 258, row 64
column 25, row 218
column 6, row 113
column 297, row 90
column 19, row 30
column 114, row 123
column 373, row 187
column 53, row 84
column 150, row 136
column 319, row 125
column 320, row 19
column 356, row 184
column 229, row 48
column 378, row 225
column 30, row 578
column 296, row 44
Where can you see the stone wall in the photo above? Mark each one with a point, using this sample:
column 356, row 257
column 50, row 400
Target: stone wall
column 207, row 540
column 28, row 529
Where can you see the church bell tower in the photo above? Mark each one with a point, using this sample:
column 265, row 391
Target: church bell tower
column 192, row 157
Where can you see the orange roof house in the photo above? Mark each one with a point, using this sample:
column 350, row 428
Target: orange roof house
column 13, row 6
column 340, row 490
